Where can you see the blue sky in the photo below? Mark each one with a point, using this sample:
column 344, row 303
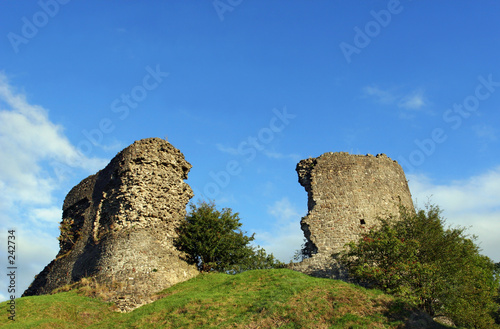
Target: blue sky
column 246, row 89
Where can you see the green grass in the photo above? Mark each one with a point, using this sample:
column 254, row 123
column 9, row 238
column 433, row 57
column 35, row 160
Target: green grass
column 63, row 310
column 254, row 299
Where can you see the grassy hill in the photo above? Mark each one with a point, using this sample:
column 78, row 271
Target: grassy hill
column 254, row 299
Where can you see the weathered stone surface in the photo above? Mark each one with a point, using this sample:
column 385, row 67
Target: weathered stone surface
column 346, row 195
column 118, row 225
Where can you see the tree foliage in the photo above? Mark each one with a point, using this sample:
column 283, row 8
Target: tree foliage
column 437, row 269
column 302, row 253
column 258, row 260
column 497, row 313
column 213, row 240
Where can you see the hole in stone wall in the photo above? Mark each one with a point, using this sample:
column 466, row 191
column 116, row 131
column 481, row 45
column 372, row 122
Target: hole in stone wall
column 362, row 221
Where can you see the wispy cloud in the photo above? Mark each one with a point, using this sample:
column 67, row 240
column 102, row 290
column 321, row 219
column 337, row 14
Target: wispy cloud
column 471, row 202
column 412, row 101
column 285, row 235
column 31, row 146
column 283, row 211
column 277, row 155
column 486, row 132
column 268, row 152
column 50, row 215
column 408, row 102
column 227, row 149
column 28, row 139
column 381, row 96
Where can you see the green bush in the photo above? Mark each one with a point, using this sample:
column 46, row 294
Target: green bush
column 497, row 313
column 213, row 240
column 437, row 269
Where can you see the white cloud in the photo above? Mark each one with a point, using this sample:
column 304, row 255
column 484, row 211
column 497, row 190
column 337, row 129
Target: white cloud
column 410, row 101
column 283, row 211
column 277, row 155
column 227, row 149
column 271, row 154
column 473, row 202
column 37, row 248
column 413, row 101
column 381, row 96
column 50, row 215
column 27, row 140
column 31, row 147
column 487, row 132
column 285, row 236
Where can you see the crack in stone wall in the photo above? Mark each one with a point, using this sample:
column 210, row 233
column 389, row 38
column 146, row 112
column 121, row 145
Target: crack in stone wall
column 346, row 195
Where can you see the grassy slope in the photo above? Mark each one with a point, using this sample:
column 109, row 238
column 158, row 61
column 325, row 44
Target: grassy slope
column 253, row 299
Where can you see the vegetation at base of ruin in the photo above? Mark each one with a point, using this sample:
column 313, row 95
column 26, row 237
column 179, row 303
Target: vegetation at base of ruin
column 89, row 287
column 67, row 235
column 253, row 299
column 497, row 313
column 213, row 240
column 436, row 268
column 302, row 253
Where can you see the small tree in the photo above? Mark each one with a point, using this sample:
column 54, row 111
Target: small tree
column 497, row 312
column 67, row 236
column 258, row 260
column 301, row 253
column 436, row 268
column 213, row 240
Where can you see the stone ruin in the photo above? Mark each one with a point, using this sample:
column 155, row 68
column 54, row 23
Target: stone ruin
column 346, row 195
column 119, row 225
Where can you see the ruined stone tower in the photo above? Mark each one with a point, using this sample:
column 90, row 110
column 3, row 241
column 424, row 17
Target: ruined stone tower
column 346, row 194
column 118, row 225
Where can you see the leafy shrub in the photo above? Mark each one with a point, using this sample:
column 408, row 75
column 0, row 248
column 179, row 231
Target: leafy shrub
column 437, row 269
column 213, row 240
column 302, row 253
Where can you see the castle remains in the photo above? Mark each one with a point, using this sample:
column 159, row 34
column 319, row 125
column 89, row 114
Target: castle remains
column 118, row 225
column 346, row 195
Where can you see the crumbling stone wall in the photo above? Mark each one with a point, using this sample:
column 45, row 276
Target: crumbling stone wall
column 118, row 225
column 346, row 194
